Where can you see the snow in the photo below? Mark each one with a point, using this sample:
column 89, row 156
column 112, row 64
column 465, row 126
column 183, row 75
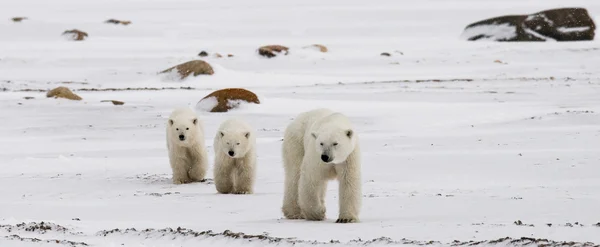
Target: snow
column 572, row 29
column 455, row 146
column 492, row 32
column 207, row 104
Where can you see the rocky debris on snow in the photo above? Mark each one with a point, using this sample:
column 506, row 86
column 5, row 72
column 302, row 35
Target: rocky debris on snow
column 218, row 55
column 520, row 223
column 115, row 102
column 28, row 97
column 194, row 67
column 317, row 47
column 272, row 50
column 48, row 241
column 117, row 22
column 226, row 99
column 564, row 24
column 19, row 19
column 62, row 92
column 37, row 227
column 75, row 35
column 265, row 238
column 203, row 54
column 386, row 54
column 229, row 55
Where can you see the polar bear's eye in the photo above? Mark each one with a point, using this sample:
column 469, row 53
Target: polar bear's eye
column 237, row 143
column 187, row 128
column 177, row 129
column 321, row 144
column 335, row 143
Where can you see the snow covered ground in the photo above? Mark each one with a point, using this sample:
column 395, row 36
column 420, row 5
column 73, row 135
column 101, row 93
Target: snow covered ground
column 457, row 145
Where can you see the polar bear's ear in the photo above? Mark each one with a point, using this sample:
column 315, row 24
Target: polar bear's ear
column 222, row 134
column 170, row 121
column 349, row 133
column 314, row 135
column 195, row 121
column 247, row 135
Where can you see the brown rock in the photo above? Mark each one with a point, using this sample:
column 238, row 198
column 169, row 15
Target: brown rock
column 565, row 24
column 229, row 55
column 194, row 67
column 18, row 19
column 116, row 22
column 76, row 34
column 217, row 55
column 272, row 50
column 62, row 92
column 321, row 48
column 203, row 54
column 226, row 99
column 115, row 102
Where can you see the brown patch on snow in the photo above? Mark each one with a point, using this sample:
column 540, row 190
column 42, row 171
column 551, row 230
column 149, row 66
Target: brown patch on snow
column 272, row 50
column 62, row 92
column 229, row 98
column 75, row 34
column 194, row 67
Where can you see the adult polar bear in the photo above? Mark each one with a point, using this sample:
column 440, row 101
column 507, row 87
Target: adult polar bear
column 318, row 146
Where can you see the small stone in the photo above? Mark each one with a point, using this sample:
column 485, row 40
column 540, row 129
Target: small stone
column 115, row 102
column 75, row 34
column 18, row 19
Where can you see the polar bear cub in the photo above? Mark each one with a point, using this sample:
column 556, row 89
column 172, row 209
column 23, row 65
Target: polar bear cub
column 318, row 146
column 235, row 157
column 185, row 142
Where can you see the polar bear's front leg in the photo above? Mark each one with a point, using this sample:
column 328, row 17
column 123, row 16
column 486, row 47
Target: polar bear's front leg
column 197, row 172
column 350, row 189
column 223, row 174
column 179, row 168
column 245, row 174
column 311, row 196
column 292, row 160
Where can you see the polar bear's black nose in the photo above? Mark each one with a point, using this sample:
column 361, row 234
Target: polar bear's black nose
column 182, row 137
column 325, row 158
column 231, row 153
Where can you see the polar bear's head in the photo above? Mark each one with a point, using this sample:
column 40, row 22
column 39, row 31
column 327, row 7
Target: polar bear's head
column 183, row 130
column 234, row 144
column 334, row 145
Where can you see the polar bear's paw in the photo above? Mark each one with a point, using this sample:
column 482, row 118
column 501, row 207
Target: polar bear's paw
column 242, row 192
column 315, row 214
column 181, row 181
column 346, row 220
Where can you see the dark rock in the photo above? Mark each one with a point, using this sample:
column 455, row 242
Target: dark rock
column 565, row 24
column 203, row 54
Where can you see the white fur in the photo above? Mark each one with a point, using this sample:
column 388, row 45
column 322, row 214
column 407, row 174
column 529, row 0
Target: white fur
column 188, row 158
column 235, row 174
column 306, row 175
